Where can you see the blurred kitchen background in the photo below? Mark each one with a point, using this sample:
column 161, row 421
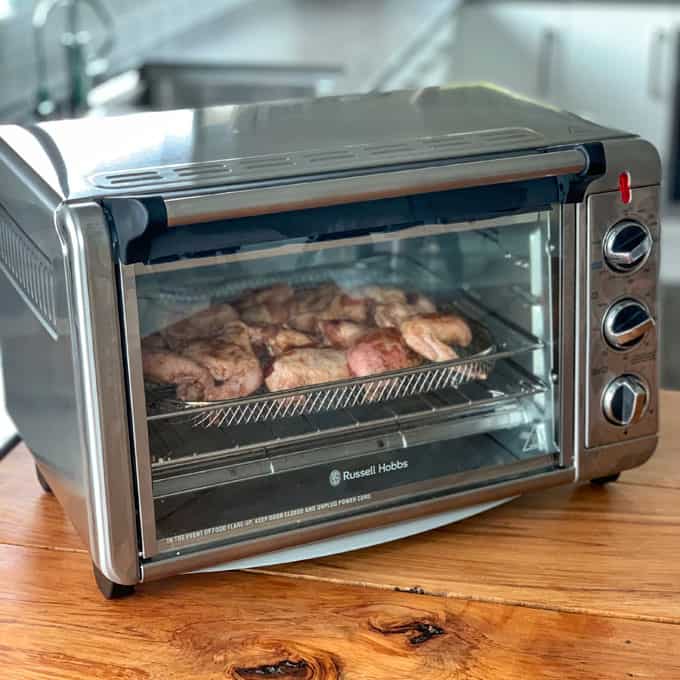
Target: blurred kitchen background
column 612, row 62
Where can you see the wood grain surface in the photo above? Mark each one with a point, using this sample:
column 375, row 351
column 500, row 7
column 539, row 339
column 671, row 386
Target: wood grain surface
column 567, row 583
column 611, row 551
column 250, row 627
column 28, row 516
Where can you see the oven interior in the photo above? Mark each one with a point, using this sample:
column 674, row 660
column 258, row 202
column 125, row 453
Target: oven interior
column 276, row 458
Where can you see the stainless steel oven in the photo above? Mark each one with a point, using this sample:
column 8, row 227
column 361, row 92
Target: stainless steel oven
column 258, row 333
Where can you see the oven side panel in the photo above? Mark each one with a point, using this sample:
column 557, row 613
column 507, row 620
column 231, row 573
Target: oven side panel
column 35, row 337
column 620, row 450
column 61, row 357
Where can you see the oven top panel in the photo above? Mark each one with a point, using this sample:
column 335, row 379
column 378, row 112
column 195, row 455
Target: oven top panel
column 216, row 147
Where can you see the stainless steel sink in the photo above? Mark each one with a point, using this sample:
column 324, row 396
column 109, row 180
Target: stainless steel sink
column 175, row 85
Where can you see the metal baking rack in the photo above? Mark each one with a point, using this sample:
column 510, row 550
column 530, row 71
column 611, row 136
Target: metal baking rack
column 494, row 338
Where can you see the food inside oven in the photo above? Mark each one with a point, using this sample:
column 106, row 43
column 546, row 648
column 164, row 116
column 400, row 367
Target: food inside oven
column 434, row 339
column 281, row 337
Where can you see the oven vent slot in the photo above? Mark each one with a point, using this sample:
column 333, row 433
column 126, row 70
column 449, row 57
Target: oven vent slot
column 390, row 149
column 488, row 138
column 133, row 178
column 201, row 170
column 329, row 156
column 265, row 163
column 364, row 155
column 437, row 142
column 30, row 272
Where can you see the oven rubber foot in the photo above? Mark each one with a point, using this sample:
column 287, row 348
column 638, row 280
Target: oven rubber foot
column 42, row 481
column 109, row 589
column 608, row 479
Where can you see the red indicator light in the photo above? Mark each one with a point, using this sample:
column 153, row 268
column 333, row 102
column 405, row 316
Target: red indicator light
column 624, row 188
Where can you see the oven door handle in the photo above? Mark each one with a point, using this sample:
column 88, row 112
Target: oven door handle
column 301, row 195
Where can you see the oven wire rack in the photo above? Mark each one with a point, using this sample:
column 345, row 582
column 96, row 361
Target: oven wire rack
column 493, row 338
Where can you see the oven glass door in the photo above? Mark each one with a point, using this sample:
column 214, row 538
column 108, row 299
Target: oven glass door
column 279, row 386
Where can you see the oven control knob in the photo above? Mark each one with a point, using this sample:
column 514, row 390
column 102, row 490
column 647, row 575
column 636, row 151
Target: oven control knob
column 627, row 246
column 625, row 400
column 626, row 323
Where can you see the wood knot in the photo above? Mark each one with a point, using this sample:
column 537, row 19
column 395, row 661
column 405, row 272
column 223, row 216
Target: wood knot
column 414, row 590
column 280, row 669
column 264, row 661
column 416, row 632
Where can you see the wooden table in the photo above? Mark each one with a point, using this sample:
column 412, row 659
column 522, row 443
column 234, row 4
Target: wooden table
column 576, row 582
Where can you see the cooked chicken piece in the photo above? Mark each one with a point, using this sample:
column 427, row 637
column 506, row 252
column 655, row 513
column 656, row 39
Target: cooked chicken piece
column 279, row 339
column 208, row 323
column 259, row 334
column 342, row 334
column 315, row 298
column 169, row 368
column 379, row 351
column 392, row 314
column 308, row 304
column 153, row 342
column 347, row 307
column 432, row 334
column 421, row 303
column 265, row 306
column 286, row 338
column 305, row 323
column 231, row 362
column 306, row 366
column 325, row 302
column 279, row 293
column 266, row 313
column 383, row 295
column 235, row 334
column 245, row 379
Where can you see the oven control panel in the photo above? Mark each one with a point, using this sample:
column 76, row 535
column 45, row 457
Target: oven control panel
column 621, row 349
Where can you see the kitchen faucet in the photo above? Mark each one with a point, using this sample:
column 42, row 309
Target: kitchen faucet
column 82, row 66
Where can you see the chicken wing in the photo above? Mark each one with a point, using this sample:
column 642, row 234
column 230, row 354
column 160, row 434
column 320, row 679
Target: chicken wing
column 392, row 314
column 170, row 368
column 431, row 335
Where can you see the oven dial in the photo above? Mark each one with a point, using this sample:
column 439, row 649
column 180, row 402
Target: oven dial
column 626, row 323
column 625, row 400
column 627, row 246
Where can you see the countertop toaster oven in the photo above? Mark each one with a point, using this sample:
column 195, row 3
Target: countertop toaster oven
column 259, row 333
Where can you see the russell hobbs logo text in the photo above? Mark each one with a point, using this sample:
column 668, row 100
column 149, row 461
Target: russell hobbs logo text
column 337, row 476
